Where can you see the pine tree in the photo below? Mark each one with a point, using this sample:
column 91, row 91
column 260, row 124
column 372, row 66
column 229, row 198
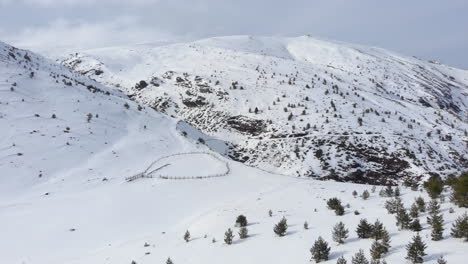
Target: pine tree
column 403, row 219
column 341, row 260
column 364, row 229
column 241, row 221
column 421, row 204
column 270, row 213
column 389, row 191
column 169, row 261
column 377, row 250
column 306, row 225
column 385, row 242
column 359, row 258
column 377, row 230
column 365, row 195
column 460, row 227
column 414, row 210
column 441, row 260
column 281, row 228
column 397, row 192
column 320, row 251
column 339, row 210
column 434, row 212
column 437, row 229
column 415, row 225
column 243, row 232
column 460, row 190
column 187, row 236
column 228, row 236
column 340, row 233
column 355, row 193
column 415, row 250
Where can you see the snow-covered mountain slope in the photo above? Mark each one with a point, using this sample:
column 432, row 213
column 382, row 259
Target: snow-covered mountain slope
column 302, row 106
column 64, row 197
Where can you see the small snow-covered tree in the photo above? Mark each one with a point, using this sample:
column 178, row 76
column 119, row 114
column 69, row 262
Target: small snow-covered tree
column 416, row 250
column 320, row 250
column 243, row 232
column 460, row 227
column 187, row 236
column 281, row 228
column 365, row 195
column 228, row 236
column 441, row 260
column 364, row 229
column 437, row 228
column 415, row 225
column 340, row 233
column 169, row 261
column 241, row 221
column 341, row 260
column 414, row 210
column 306, row 225
column 421, row 204
column 359, row 258
column 403, row 219
column 434, row 212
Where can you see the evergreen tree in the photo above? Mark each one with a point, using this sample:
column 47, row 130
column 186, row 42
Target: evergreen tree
column 359, row 258
column 333, row 203
column 243, row 232
column 320, row 251
column 415, row 250
column 415, row 225
column 437, row 229
column 241, row 221
column 355, row 193
column 441, row 260
column 460, row 190
column 228, row 236
column 377, row 230
column 403, row 219
column 339, row 210
column 385, row 242
column 187, row 236
column 394, row 205
column 340, row 233
column 281, row 228
column 306, row 225
column 414, row 210
column 341, row 260
column 421, row 204
column 169, row 261
column 460, row 227
column 434, row 212
column 434, row 186
column 364, row 229
column 389, row 191
column 270, row 213
column 377, row 250
column 397, row 192
column 365, row 195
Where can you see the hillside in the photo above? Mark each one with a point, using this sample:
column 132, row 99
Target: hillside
column 124, row 184
column 302, row 106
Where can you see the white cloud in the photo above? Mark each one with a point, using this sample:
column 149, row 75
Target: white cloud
column 63, row 35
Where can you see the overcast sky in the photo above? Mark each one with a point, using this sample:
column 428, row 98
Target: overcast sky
column 430, row 29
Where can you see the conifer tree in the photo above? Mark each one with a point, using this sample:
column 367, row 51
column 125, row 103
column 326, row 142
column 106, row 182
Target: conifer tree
column 415, row 225
column 243, row 232
column 169, row 261
column 365, row 195
column 377, row 230
column 306, row 225
column 364, row 229
column 414, row 210
column 434, row 212
column 437, row 228
column 320, row 250
column 281, row 228
column 403, row 219
column 376, row 250
column 241, row 221
column 228, row 236
column 385, row 242
column 460, row 227
column 341, row 260
column 270, row 213
column 359, row 258
column 441, row 260
column 187, row 236
column 416, row 250
column 421, row 204
column 355, row 193
column 397, row 192
column 340, row 233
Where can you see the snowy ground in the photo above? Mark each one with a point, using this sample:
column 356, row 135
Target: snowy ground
column 64, row 198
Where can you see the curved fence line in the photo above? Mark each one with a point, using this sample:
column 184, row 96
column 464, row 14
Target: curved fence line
column 148, row 174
